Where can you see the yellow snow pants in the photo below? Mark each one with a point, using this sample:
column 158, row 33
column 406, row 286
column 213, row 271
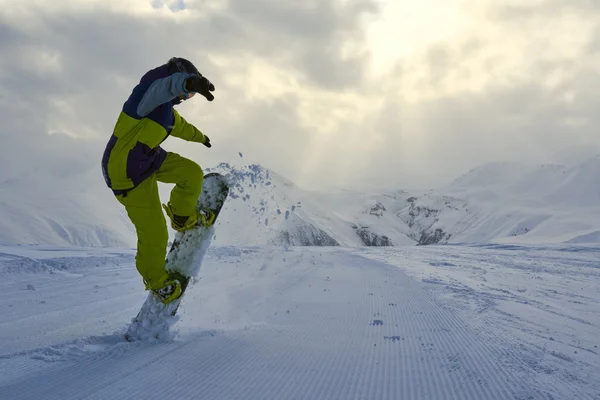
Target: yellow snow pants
column 145, row 211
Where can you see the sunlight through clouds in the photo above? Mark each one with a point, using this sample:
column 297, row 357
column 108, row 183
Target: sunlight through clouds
column 406, row 28
column 324, row 93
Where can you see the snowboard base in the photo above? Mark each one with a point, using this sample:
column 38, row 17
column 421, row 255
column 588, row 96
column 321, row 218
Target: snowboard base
column 185, row 259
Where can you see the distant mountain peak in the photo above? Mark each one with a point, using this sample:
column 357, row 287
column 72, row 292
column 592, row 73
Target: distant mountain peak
column 499, row 201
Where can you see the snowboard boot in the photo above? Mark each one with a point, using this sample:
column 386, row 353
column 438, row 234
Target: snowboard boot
column 182, row 222
column 170, row 292
column 206, row 218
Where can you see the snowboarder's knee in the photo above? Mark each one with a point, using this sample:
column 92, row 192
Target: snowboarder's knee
column 194, row 172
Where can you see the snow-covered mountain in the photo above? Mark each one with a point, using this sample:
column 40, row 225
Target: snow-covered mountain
column 32, row 215
column 531, row 204
column 497, row 202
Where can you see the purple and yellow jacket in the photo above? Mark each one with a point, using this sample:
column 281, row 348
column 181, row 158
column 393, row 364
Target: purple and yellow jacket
column 133, row 152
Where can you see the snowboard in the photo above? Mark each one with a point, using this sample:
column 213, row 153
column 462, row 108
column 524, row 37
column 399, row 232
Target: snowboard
column 184, row 260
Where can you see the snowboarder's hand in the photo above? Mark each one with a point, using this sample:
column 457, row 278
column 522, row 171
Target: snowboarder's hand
column 207, row 142
column 200, row 84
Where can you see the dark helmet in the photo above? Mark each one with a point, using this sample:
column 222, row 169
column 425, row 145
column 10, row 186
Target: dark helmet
column 178, row 64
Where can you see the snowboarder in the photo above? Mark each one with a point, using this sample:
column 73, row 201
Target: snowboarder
column 134, row 162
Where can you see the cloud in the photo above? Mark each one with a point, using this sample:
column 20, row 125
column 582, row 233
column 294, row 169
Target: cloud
column 508, row 84
column 67, row 68
column 308, row 37
column 298, row 89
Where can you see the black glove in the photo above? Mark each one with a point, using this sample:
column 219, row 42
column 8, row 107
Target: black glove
column 200, row 84
column 207, row 141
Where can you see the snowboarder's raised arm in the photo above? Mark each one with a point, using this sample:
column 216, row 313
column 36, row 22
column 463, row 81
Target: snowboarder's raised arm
column 162, row 91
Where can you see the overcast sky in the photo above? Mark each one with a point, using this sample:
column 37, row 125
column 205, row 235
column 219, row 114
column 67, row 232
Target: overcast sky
column 410, row 93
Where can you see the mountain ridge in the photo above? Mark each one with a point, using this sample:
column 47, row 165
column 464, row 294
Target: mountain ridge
column 496, row 202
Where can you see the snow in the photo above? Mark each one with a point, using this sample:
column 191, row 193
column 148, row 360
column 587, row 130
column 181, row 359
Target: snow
column 36, row 216
column 505, row 306
column 497, row 202
column 418, row 322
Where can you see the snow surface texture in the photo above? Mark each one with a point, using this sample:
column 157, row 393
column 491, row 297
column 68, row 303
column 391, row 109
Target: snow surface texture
column 418, row 322
column 498, row 202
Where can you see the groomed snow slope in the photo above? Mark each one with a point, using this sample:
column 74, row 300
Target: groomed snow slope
column 446, row 322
